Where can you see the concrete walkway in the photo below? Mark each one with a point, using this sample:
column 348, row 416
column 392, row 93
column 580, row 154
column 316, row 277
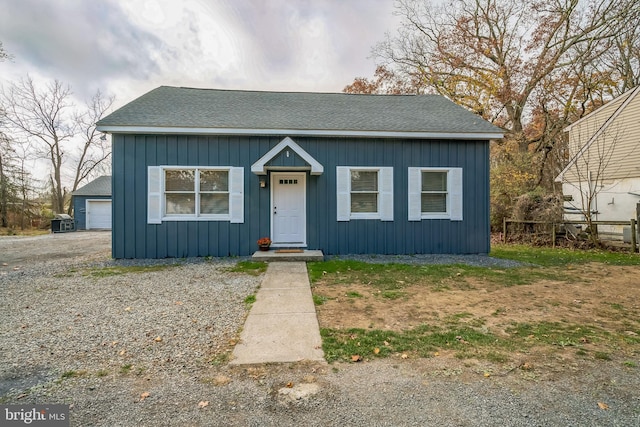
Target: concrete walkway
column 282, row 325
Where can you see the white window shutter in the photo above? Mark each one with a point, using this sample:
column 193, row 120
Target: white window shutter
column 386, row 194
column 415, row 194
column 236, row 195
column 343, row 186
column 455, row 189
column 154, row 195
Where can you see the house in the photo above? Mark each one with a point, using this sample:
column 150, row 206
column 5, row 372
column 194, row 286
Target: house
column 603, row 175
column 92, row 205
column 203, row 172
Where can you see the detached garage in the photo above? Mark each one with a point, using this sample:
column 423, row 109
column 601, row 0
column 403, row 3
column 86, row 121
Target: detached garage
column 92, row 205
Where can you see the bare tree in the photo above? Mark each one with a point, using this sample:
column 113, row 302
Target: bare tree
column 3, row 53
column 513, row 61
column 65, row 137
column 96, row 150
column 7, row 186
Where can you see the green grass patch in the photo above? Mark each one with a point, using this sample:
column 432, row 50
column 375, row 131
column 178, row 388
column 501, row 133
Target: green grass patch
column 250, row 299
column 466, row 340
column 221, row 359
column 424, row 340
column 390, row 277
column 556, row 333
column 601, row 355
column 496, row 357
column 354, row 294
column 319, row 299
column 69, row 374
column 122, row 269
column 125, row 369
column 254, row 268
column 393, row 294
column 630, row 364
column 553, row 257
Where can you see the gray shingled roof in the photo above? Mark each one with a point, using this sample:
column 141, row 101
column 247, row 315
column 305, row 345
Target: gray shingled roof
column 175, row 107
column 100, row 186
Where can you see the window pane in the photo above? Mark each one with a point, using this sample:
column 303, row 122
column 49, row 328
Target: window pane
column 434, row 203
column 214, row 180
column 214, row 204
column 180, row 180
column 434, row 181
column 181, row 204
column 364, row 180
column 364, row 202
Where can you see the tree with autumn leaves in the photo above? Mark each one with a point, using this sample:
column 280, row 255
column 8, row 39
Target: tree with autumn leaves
column 530, row 67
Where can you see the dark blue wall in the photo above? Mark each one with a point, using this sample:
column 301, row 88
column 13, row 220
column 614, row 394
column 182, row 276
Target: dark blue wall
column 134, row 238
column 80, row 209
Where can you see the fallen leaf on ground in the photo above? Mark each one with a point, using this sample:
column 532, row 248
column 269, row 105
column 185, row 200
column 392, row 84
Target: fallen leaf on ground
column 603, row 406
column 144, row 395
column 356, row 358
column 157, row 339
column 289, row 384
column 203, row 404
column 487, row 374
column 405, row 356
column 376, row 350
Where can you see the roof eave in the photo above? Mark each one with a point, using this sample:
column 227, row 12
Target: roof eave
column 298, row 132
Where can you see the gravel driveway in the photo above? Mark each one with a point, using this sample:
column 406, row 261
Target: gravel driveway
column 149, row 349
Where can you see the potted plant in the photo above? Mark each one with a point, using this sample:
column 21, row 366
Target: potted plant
column 264, row 243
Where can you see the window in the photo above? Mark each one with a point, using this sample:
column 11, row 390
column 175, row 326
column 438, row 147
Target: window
column 195, row 193
column 435, row 193
column 364, row 193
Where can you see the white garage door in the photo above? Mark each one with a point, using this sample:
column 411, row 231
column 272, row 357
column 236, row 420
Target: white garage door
column 98, row 214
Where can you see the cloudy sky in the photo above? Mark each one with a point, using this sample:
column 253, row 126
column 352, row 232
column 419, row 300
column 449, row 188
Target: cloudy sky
column 127, row 47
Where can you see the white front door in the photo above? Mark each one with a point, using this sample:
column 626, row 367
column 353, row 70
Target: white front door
column 288, row 209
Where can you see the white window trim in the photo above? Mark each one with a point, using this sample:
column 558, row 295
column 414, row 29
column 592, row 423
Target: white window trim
column 454, row 194
column 156, row 205
column 384, row 191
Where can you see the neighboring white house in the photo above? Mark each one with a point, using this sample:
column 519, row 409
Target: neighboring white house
column 603, row 175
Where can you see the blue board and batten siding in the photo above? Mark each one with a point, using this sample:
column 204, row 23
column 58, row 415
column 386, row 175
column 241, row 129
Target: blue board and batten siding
column 134, row 238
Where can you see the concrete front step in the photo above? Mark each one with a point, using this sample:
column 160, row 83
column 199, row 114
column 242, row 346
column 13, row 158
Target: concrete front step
column 275, row 255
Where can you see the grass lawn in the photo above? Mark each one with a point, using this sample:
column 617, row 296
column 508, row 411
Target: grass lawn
column 576, row 303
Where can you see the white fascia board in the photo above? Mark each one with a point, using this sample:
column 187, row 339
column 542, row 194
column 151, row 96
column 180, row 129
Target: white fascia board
column 259, row 167
column 298, row 132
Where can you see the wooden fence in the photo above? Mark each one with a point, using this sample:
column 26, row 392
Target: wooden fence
column 569, row 228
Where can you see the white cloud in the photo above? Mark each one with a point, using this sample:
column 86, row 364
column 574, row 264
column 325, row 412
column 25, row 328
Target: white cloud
column 128, row 47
